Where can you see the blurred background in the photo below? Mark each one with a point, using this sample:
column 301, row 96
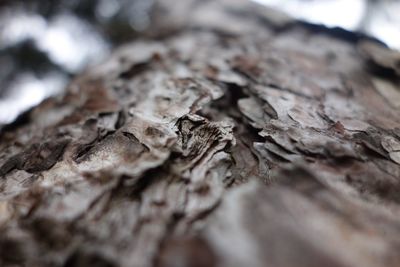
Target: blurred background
column 44, row 43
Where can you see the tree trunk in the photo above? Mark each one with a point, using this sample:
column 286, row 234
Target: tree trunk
column 229, row 135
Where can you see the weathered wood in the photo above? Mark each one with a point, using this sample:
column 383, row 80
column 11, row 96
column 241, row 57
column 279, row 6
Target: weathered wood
column 228, row 136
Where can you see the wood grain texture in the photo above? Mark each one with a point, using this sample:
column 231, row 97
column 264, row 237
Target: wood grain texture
column 229, row 135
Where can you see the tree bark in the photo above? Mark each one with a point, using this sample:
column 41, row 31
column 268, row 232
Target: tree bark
column 229, row 135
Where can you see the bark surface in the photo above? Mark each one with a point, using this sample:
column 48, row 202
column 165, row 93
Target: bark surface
column 228, row 136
